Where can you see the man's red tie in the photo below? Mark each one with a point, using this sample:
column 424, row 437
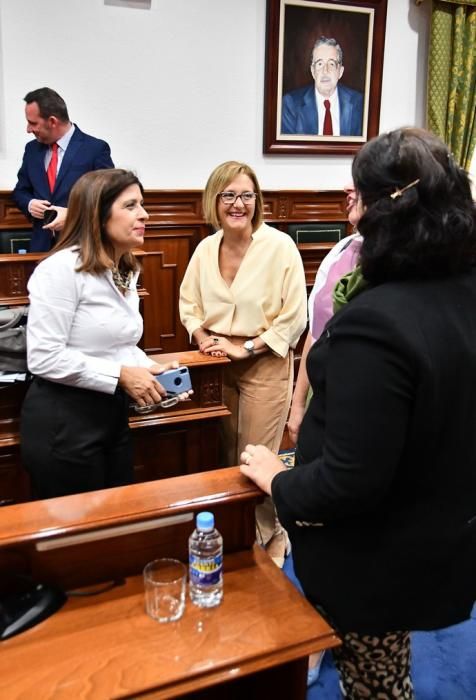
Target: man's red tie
column 52, row 166
column 327, row 131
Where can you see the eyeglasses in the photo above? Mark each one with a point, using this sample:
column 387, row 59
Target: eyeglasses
column 331, row 65
column 231, row 197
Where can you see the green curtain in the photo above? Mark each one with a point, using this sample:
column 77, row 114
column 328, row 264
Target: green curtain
column 452, row 76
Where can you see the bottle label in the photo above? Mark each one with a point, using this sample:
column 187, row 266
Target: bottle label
column 205, row 571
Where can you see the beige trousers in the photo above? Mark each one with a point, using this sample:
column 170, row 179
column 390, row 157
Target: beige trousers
column 258, row 393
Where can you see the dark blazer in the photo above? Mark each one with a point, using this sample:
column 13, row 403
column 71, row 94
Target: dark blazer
column 299, row 111
column 84, row 153
column 381, row 511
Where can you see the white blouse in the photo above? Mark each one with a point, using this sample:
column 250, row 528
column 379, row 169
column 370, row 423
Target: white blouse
column 81, row 329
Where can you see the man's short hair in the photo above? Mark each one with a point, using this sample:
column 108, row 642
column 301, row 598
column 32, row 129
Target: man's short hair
column 50, row 104
column 327, row 41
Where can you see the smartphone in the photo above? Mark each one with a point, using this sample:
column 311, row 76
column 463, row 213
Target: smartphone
column 49, row 216
column 175, row 381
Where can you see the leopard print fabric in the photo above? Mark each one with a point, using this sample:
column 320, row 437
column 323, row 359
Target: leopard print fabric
column 375, row 668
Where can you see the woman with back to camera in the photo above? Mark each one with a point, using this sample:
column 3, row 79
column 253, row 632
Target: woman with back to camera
column 381, row 509
column 83, row 328
column 244, row 296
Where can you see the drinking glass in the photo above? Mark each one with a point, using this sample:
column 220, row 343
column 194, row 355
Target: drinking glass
column 165, row 582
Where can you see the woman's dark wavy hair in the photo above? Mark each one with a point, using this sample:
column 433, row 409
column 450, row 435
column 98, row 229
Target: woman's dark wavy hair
column 430, row 230
column 89, row 209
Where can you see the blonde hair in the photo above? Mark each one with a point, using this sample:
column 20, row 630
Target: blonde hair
column 218, row 182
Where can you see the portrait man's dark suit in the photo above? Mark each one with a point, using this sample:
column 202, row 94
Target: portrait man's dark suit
column 299, row 111
column 83, row 154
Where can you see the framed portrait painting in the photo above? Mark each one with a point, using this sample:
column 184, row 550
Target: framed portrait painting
column 323, row 75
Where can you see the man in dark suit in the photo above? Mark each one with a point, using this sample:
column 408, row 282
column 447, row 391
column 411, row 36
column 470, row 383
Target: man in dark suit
column 324, row 108
column 52, row 163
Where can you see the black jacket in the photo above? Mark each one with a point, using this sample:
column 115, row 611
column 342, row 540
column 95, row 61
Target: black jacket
column 381, row 511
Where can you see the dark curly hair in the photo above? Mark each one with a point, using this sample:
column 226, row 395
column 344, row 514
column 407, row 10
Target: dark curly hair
column 425, row 231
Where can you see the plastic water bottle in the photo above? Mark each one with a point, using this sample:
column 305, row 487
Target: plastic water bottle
column 205, row 549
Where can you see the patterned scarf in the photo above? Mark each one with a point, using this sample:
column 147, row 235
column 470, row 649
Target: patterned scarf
column 122, row 280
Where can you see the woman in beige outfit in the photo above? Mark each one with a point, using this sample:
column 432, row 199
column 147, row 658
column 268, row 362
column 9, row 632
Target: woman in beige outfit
column 243, row 296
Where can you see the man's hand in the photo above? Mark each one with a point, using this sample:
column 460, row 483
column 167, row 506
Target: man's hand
column 261, row 466
column 37, row 207
column 58, row 222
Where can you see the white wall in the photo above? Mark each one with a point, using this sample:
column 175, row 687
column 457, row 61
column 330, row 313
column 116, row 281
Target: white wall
column 177, row 89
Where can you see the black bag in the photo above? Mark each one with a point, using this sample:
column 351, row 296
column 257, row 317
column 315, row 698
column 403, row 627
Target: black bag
column 13, row 339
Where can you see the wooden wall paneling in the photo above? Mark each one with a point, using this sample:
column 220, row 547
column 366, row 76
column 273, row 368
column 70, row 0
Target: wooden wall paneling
column 301, row 205
column 11, row 399
column 159, row 454
column 15, row 271
column 173, row 450
column 169, row 208
column 286, row 207
column 167, row 254
column 306, row 207
column 14, row 481
column 210, row 388
column 203, row 443
column 174, row 207
column 10, row 216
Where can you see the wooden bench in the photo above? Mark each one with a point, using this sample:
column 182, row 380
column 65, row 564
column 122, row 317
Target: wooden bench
column 256, row 643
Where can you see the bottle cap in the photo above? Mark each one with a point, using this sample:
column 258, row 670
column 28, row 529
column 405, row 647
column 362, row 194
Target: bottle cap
column 205, row 521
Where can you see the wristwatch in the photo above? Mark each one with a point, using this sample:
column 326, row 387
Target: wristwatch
column 249, row 346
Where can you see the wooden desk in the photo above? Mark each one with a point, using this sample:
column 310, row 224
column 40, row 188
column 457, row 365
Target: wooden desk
column 167, row 442
column 256, row 642
column 183, row 439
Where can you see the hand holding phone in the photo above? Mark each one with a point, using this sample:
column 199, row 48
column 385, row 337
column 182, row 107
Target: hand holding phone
column 175, row 381
column 49, row 216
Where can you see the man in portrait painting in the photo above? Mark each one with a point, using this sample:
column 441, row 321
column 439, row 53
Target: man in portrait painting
column 326, row 107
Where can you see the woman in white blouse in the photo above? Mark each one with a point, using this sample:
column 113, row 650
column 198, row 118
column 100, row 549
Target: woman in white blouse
column 83, row 328
column 244, row 296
